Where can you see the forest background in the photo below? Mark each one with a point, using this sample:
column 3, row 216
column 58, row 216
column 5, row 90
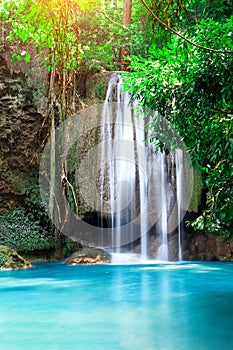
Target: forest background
column 178, row 56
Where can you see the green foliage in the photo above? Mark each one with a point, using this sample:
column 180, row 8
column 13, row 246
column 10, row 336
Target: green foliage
column 197, row 10
column 69, row 34
column 49, row 26
column 192, row 88
column 21, row 232
column 69, row 246
column 144, row 31
column 99, row 38
column 88, row 35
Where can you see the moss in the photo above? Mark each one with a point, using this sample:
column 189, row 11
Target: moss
column 197, row 191
column 3, row 259
column 100, row 90
column 11, row 260
column 96, row 85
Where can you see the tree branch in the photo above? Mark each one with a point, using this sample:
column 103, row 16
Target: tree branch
column 118, row 24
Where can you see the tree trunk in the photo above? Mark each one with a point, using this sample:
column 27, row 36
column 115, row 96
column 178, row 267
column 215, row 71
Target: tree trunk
column 127, row 11
column 126, row 19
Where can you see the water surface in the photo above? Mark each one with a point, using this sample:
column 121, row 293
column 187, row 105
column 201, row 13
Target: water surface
column 183, row 306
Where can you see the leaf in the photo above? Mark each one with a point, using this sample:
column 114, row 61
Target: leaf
column 15, row 57
column 27, row 58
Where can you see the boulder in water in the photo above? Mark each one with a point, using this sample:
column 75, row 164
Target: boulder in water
column 11, row 260
column 89, row 256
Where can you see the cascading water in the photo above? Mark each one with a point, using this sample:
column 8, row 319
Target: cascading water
column 179, row 194
column 135, row 187
column 162, row 200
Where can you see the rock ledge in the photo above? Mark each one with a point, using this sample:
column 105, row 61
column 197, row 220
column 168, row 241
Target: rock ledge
column 89, row 256
column 11, row 260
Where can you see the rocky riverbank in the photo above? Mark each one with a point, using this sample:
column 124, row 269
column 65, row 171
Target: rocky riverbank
column 89, row 256
column 11, row 260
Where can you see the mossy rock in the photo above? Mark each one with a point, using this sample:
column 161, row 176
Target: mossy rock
column 89, row 256
column 96, row 85
column 11, row 260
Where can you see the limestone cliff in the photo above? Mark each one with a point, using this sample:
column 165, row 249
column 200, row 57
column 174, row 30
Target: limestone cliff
column 21, row 135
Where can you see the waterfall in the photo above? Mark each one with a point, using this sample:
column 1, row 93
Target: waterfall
column 136, row 189
column 162, row 200
column 179, row 194
column 132, row 196
column 143, row 183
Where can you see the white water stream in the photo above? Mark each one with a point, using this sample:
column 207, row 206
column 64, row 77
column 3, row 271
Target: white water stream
column 135, row 187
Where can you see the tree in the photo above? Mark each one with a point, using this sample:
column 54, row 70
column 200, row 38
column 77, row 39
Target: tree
column 53, row 30
column 70, row 37
column 126, row 19
column 192, row 88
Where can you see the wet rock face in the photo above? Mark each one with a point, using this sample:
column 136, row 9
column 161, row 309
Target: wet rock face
column 96, row 85
column 20, row 136
column 195, row 247
column 11, row 260
column 89, row 256
column 208, row 248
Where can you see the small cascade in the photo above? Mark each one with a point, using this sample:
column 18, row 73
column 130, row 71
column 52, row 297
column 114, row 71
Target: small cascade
column 123, row 186
column 143, row 185
column 179, row 195
column 106, row 136
column 136, row 186
column 162, row 200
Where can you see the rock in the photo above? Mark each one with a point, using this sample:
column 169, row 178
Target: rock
column 21, row 134
column 209, row 248
column 89, row 256
column 97, row 84
column 11, row 260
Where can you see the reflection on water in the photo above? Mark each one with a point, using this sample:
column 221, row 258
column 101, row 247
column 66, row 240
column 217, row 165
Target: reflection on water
column 130, row 307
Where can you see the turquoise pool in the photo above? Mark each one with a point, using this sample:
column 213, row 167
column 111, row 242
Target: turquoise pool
column 183, row 306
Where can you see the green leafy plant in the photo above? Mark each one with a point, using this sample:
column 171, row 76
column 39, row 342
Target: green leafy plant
column 192, row 88
column 18, row 231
